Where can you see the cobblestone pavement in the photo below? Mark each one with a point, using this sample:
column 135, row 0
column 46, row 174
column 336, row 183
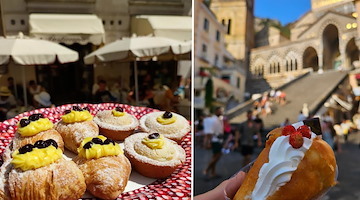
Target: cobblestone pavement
column 348, row 162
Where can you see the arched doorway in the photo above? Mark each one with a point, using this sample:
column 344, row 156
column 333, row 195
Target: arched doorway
column 310, row 59
column 331, row 53
column 352, row 53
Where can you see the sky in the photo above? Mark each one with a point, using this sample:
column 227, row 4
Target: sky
column 285, row 11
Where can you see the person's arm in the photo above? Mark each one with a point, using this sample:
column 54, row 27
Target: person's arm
column 259, row 139
column 229, row 186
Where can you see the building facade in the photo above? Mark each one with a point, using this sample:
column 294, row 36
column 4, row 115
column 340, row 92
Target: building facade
column 238, row 18
column 216, row 70
column 322, row 39
column 84, row 26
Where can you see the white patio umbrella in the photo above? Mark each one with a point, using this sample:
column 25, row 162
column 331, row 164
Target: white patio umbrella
column 140, row 48
column 33, row 52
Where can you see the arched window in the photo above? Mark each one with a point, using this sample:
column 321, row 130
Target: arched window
column 287, row 65
column 296, row 67
column 278, row 67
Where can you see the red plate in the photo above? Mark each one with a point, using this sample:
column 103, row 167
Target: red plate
column 176, row 186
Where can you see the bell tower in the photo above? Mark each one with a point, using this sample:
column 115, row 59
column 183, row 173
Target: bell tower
column 238, row 18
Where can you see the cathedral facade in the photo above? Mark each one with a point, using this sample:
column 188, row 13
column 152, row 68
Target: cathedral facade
column 322, row 39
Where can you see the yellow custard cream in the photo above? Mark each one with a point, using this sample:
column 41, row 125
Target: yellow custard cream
column 156, row 148
column 117, row 113
column 156, row 143
column 35, row 127
column 36, row 158
column 88, row 149
column 166, row 121
column 77, row 116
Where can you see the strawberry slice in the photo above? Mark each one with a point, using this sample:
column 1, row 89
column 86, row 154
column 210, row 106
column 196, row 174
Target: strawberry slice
column 305, row 131
column 287, row 130
column 296, row 140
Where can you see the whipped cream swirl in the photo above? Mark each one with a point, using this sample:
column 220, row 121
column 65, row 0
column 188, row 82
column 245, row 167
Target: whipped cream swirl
column 283, row 161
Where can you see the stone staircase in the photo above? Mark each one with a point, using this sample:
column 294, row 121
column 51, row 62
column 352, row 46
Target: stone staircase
column 312, row 89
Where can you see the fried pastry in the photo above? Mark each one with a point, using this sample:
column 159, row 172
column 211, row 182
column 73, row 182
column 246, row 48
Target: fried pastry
column 171, row 125
column 76, row 125
column 105, row 168
column 296, row 164
column 116, row 124
column 39, row 172
column 153, row 155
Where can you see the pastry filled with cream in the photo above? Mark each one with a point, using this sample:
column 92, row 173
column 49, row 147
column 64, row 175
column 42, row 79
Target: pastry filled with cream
column 76, row 125
column 170, row 124
column 34, row 128
column 295, row 164
column 104, row 166
column 153, row 155
column 116, row 124
column 39, row 172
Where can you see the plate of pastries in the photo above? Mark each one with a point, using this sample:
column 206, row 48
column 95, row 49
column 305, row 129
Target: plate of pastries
column 95, row 151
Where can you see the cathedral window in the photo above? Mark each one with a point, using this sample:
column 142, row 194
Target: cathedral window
column 229, row 27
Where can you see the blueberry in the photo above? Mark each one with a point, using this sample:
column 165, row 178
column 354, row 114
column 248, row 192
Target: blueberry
column 35, row 117
column 154, row 136
column 88, row 145
column 26, row 148
column 167, row 115
column 24, row 122
column 41, row 144
column 97, row 140
column 108, row 141
column 67, row 112
column 77, row 108
column 86, row 108
column 51, row 142
column 119, row 109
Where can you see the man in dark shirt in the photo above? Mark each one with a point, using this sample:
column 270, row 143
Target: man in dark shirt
column 244, row 136
column 102, row 95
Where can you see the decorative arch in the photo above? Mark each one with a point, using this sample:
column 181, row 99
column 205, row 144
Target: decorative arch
column 258, row 67
column 310, row 58
column 330, row 22
column 275, row 64
column 331, row 49
column 291, row 61
column 351, row 53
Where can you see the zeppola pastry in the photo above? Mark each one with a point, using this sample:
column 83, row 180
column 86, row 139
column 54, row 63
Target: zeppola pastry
column 171, row 125
column 105, row 168
column 39, row 172
column 296, row 164
column 116, row 124
column 153, row 155
column 76, row 125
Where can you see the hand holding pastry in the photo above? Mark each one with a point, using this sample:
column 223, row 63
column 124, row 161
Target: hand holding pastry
column 295, row 164
column 105, row 168
column 75, row 126
column 153, row 155
column 40, row 173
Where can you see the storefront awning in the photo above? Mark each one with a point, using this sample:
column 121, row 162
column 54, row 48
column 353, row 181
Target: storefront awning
column 174, row 27
column 68, row 28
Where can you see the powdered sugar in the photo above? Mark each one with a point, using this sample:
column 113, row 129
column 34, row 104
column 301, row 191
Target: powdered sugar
column 135, row 139
column 176, row 130
column 106, row 120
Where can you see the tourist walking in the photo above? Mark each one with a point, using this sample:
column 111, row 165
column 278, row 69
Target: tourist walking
column 216, row 143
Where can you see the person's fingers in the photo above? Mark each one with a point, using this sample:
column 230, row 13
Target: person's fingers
column 234, row 184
